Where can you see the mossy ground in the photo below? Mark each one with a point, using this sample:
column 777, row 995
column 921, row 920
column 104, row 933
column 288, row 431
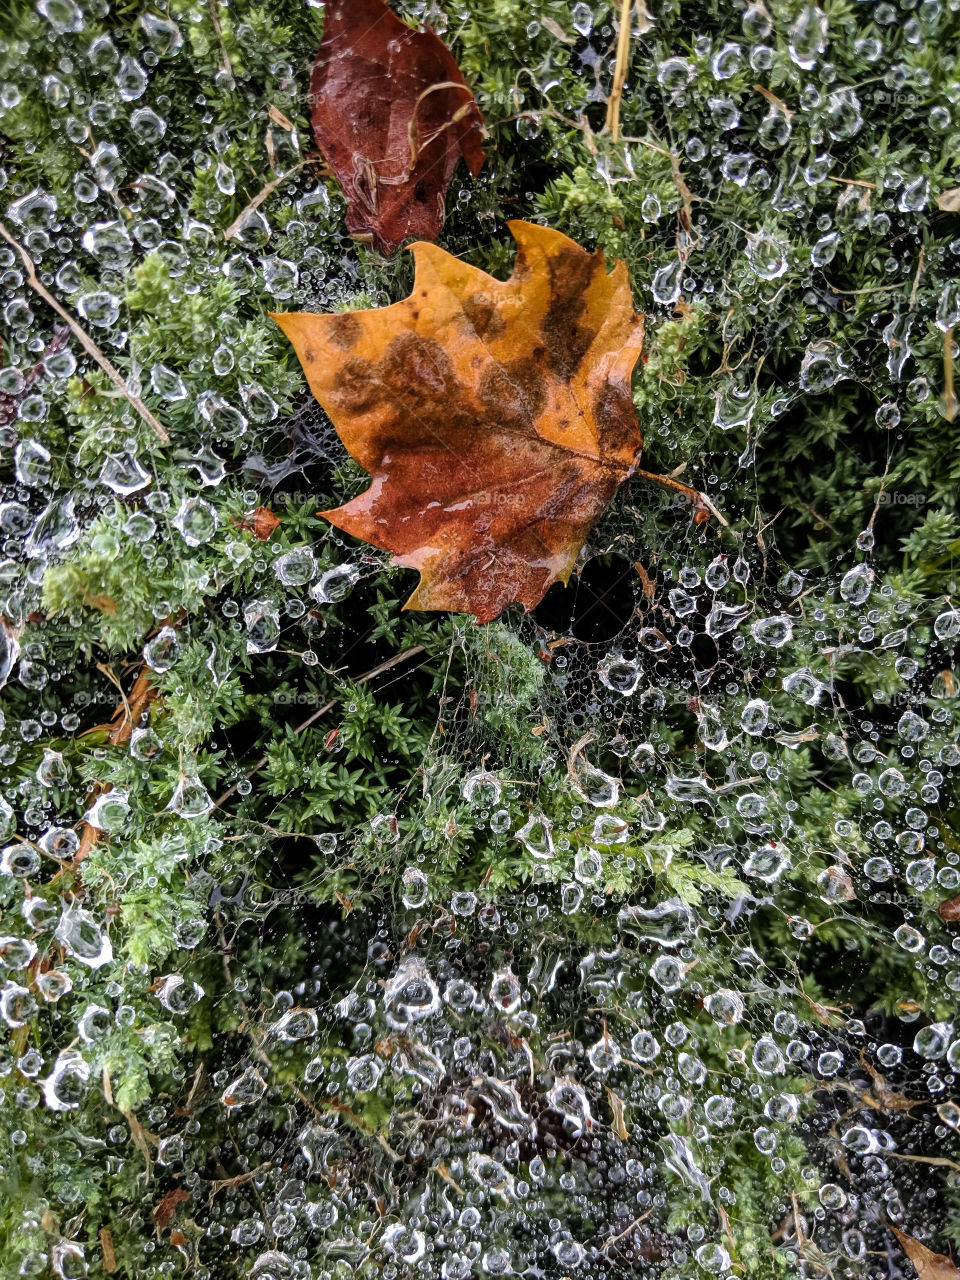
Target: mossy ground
column 297, row 830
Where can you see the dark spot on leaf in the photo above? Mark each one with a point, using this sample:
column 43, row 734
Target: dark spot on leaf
column 418, row 369
column 513, row 394
column 570, row 276
column 358, row 387
column 484, row 318
column 344, row 331
column 616, row 418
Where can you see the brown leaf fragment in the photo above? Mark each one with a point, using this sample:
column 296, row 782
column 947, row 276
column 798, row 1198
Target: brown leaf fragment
column 495, row 418
column 949, row 201
column 163, row 1213
column 277, row 116
column 884, row 1101
column 261, row 524
column 128, row 715
column 775, row 101
column 643, row 19
column 392, row 114
column 881, row 1098
column 822, row 1012
column 619, row 1125
column 106, row 1247
column 927, row 1264
column 949, row 910
column 555, row 29
column 649, row 586
column 96, row 600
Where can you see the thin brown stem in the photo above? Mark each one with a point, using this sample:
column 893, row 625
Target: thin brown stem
column 853, row 182
column 259, row 198
column 949, row 398
column 84, row 339
column 916, row 279
column 327, row 706
column 817, row 516
column 704, row 507
column 619, row 72
column 227, row 65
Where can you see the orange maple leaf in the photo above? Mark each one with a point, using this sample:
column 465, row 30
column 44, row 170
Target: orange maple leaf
column 495, row 418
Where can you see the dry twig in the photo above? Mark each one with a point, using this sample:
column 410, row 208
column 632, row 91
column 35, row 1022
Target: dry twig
column 84, row 339
column 305, row 724
column 266, row 191
column 620, row 72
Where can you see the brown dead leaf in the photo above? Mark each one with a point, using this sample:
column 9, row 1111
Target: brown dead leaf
column 106, row 1246
column 392, row 114
column 619, row 1125
column 949, row 201
column 261, row 524
column 927, row 1264
column 495, row 418
column 949, row 910
column 163, row 1213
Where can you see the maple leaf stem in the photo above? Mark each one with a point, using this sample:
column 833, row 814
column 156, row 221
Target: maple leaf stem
column 704, row 506
column 84, row 338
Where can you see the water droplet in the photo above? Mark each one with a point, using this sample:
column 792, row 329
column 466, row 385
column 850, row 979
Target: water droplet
column 81, row 936
column 767, row 255
column 668, row 282
column 582, row 17
column 335, row 584
column 196, row 520
column 808, row 36
column 821, row 366
column 857, row 584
